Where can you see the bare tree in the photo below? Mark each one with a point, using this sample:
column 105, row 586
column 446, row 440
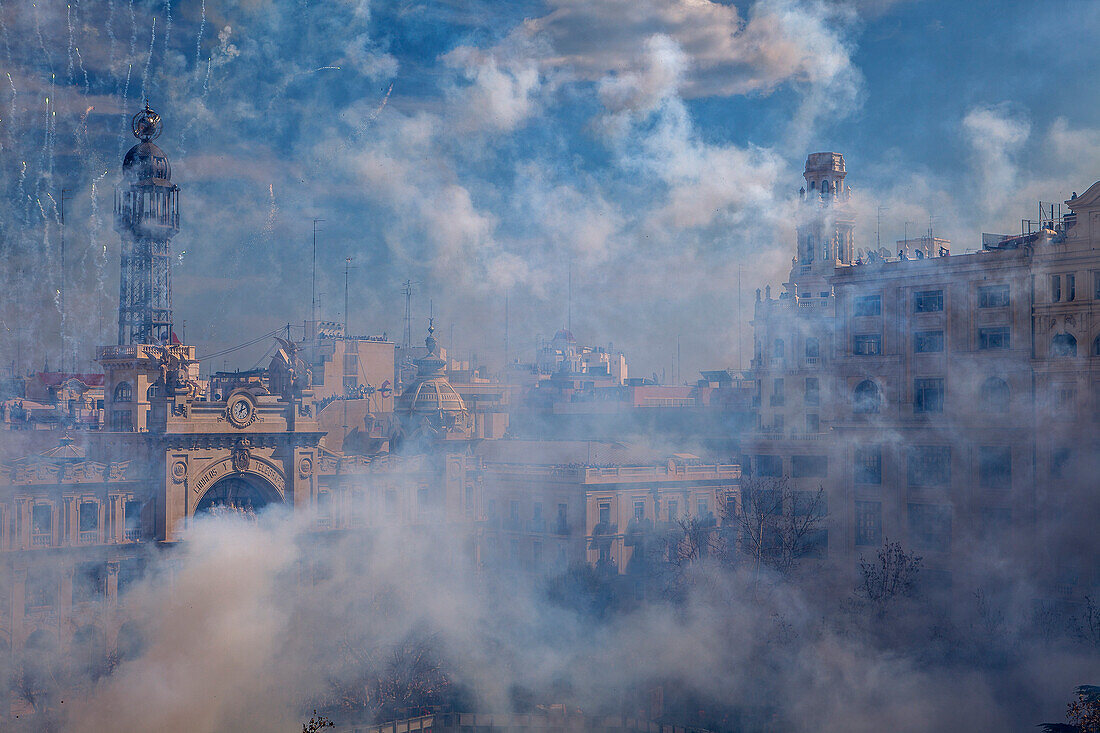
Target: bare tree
column 891, row 577
column 1083, row 713
column 776, row 526
column 388, row 680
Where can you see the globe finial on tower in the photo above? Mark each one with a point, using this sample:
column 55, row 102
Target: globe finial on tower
column 146, row 124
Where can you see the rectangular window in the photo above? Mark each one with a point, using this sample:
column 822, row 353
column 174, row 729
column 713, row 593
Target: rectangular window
column 930, row 527
column 89, row 516
column 639, row 510
column 1096, row 285
column 813, row 393
column 563, row 519
column 993, row 296
column 813, row 348
column 809, row 466
column 929, row 466
column 995, row 467
column 42, row 520
column 777, row 393
column 1061, row 461
column 1055, row 288
column 994, row 338
column 927, row 301
column 702, row 507
column 769, row 466
column 867, row 344
column 867, row 468
column 1071, row 287
column 809, row 503
column 89, row 582
column 925, row 342
column 868, row 523
column 40, row 591
column 130, row 571
column 868, row 305
column 928, row 395
column 351, row 364
column 813, row 423
column 673, row 510
column 605, row 513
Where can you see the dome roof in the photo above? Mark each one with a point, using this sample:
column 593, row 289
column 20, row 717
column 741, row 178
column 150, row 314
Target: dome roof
column 146, row 161
column 566, row 335
column 432, row 395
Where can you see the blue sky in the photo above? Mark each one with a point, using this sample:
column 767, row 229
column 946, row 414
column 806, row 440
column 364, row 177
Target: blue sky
column 485, row 148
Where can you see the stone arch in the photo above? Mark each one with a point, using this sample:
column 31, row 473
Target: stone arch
column 867, row 397
column 130, row 642
column 88, row 653
column 245, row 492
column 39, row 661
column 995, row 395
column 123, row 392
column 1063, row 344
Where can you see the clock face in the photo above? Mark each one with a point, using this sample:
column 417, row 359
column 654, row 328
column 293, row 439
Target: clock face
column 240, row 412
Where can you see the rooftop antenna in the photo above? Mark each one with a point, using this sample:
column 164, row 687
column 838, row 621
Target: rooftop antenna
column 740, row 343
column 406, row 337
column 61, row 290
column 313, row 300
column 347, row 268
column 569, row 312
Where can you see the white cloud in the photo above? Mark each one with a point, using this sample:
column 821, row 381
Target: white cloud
column 995, row 134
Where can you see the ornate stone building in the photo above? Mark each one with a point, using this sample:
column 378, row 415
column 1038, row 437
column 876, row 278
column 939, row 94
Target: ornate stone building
column 946, row 401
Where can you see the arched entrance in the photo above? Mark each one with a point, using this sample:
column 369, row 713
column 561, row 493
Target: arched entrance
column 239, row 492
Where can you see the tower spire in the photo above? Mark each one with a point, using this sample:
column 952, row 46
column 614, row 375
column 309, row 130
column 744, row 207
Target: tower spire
column 146, row 218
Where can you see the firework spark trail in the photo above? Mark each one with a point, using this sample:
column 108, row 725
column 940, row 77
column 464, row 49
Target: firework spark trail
column 202, row 27
column 122, row 106
column 272, row 215
column 72, row 42
column 167, row 24
column 126, row 89
column 87, row 83
column 148, row 59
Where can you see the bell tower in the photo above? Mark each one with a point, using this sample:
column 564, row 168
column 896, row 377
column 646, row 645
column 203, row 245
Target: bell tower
column 146, row 218
column 825, row 223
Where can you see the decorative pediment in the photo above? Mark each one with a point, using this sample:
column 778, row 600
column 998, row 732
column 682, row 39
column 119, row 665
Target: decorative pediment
column 1087, row 201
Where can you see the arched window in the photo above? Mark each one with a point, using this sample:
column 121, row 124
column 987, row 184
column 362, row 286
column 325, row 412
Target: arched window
column 866, row 398
column 995, row 395
column 1096, row 346
column 813, row 185
column 1063, row 344
column 124, row 392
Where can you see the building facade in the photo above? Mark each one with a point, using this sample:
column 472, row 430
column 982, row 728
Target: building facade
column 932, row 395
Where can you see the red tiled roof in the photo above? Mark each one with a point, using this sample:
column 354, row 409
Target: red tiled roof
column 54, row 379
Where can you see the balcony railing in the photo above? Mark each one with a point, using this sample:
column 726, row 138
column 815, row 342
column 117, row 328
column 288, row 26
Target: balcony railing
column 89, row 536
column 132, row 535
column 41, row 539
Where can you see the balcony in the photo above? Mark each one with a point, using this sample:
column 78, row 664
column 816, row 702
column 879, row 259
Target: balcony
column 132, row 535
column 812, row 362
column 41, row 539
column 561, row 528
column 89, row 536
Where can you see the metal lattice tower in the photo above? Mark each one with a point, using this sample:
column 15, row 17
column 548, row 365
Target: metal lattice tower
column 146, row 218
